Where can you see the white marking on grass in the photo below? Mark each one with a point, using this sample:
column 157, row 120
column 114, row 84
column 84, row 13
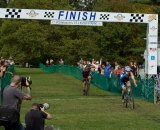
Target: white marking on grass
column 54, row 99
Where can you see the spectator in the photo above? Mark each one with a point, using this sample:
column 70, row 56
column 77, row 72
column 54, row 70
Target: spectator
column 11, row 61
column 102, row 69
column 84, row 64
column 136, row 70
column 141, row 72
column 61, row 62
column 35, row 118
column 97, row 66
column 51, row 61
column 92, row 65
column 47, row 62
column 132, row 66
column 118, row 71
column 107, row 69
column 80, row 63
column 3, row 68
column 13, row 96
column 116, row 66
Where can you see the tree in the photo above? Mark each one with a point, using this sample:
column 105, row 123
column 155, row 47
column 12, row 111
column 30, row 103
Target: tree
column 3, row 3
column 34, row 41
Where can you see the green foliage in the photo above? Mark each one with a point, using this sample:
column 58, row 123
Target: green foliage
column 156, row 2
column 2, row 3
column 33, row 41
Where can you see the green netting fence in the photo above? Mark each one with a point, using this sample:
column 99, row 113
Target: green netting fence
column 6, row 79
column 144, row 90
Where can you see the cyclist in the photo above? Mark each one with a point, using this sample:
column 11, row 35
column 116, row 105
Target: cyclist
column 86, row 74
column 125, row 80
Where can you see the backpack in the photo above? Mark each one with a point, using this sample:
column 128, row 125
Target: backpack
column 8, row 116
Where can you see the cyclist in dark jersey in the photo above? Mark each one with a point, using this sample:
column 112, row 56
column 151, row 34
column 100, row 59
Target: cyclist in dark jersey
column 125, row 79
column 86, row 74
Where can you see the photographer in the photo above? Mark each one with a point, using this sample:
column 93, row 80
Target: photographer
column 35, row 118
column 13, row 96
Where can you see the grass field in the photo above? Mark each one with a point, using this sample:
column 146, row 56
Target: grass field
column 100, row 110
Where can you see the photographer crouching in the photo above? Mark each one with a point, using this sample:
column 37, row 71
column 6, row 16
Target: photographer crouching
column 35, row 118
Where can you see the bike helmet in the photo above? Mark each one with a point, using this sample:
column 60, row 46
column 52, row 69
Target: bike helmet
column 127, row 68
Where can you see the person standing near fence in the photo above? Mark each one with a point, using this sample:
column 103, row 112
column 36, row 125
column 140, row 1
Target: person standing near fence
column 47, row 62
column 3, row 68
column 107, row 70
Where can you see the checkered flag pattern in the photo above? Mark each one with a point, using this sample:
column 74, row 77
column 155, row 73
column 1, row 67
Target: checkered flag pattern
column 137, row 18
column 104, row 16
column 49, row 14
column 13, row 13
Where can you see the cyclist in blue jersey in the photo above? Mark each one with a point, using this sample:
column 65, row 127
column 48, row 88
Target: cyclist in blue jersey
column 125, row 80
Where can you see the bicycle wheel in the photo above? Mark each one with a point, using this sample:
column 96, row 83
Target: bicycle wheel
column 125, row 102
column 84, row 87
column 131, row 102
column 87, row 87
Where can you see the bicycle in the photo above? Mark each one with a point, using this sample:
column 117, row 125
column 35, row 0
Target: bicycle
column 129, row 98
column 86, row 85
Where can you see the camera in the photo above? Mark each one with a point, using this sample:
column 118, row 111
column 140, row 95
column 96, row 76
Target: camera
column 26, row 81
column 45, row 105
